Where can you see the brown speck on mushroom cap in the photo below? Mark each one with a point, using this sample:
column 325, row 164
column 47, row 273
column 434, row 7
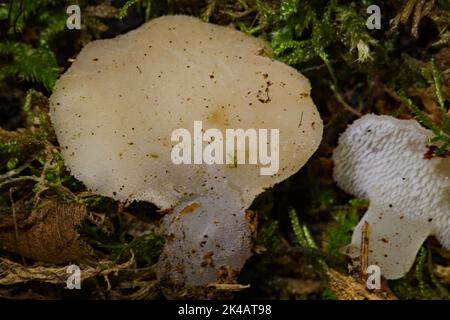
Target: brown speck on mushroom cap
column 151, row 62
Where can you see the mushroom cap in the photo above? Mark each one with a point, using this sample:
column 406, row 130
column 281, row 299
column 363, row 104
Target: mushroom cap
column 381, row 158
column 116, row 107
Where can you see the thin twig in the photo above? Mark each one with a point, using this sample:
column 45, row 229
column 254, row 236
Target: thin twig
column 14, row 172
column 19, row 179
column 438, row 87
column 10, row 12
column 346, row 106
column 315, row 253
column 240, row 15
column 210, row 8
column 18, row 16
column 16, row 228
column 364, row 254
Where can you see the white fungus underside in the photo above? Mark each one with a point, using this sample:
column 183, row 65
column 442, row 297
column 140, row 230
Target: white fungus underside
column 381, row 159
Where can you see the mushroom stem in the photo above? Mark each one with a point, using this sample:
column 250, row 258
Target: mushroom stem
column 205, row 235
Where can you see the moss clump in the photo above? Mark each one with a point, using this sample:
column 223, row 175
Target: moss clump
column 402, row 70
column 339, row 232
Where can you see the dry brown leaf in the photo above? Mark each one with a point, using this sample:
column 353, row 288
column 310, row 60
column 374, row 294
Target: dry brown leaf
column 347, row 288
column 300, row 287
column 102, row 10
column 48, row 234
column 443, row 273
column 415, row 10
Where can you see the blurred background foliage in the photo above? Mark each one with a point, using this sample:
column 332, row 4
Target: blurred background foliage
column 402, row 69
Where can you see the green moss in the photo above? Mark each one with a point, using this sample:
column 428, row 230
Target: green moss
column 31, row 62
column 266, row 235
column 420, row 282
column 441, row 127
column 147, row 248
column 328, row 294
column 338, row 233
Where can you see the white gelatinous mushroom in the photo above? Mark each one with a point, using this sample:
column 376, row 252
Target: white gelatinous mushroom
column 382, row 159
column 115, row 109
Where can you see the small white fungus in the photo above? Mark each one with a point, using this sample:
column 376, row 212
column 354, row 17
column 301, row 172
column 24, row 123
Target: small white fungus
column 382, row 159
